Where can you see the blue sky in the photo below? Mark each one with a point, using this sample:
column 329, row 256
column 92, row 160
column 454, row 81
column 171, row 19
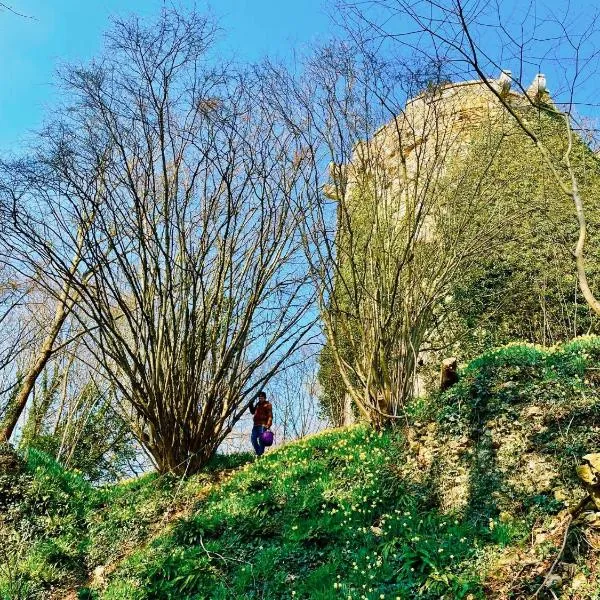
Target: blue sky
column 71, row 30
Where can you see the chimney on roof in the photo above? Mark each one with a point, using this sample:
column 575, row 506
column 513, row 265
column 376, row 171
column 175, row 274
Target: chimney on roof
column 537, row 87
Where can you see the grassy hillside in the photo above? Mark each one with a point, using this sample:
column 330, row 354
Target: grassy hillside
column 469, row 501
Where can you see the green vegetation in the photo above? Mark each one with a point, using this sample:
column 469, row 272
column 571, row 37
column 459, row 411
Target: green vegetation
column 524, row 286
column 348, row 513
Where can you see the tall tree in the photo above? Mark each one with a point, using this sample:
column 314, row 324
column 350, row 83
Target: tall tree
column 390, row 232
column 172, row 182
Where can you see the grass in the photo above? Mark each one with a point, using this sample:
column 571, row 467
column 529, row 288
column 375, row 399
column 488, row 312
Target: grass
column 445, row 508
column 326, row 517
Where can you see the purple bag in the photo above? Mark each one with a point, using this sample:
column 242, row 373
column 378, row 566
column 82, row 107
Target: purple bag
column 267, row 437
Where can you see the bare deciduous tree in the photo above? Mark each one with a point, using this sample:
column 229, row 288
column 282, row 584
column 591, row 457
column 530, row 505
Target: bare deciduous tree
column 171, row 183
column 386, row 251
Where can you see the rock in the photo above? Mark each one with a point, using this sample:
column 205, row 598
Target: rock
column 586, row 474
column 592, row 519
column 594, row 461
column 589, row 473
column 98, row 576
column 533, row 411
column 540, row 538
column 560, row 495
column 578, row 581
column 448, row 373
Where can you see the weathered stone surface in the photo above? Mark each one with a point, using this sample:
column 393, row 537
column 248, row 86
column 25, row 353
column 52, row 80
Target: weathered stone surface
column 433, row 126
column 534, row 411
column 594, row 461
column 589, row 473
column 592, row 519
column 585, row 474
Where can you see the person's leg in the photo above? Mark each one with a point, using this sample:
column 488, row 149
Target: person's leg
column 255, row 441
column 258, row 445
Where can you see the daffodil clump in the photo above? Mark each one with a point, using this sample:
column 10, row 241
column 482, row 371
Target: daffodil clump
column 326, row 517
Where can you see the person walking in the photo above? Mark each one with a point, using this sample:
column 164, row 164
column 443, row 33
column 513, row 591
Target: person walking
column 263, row 419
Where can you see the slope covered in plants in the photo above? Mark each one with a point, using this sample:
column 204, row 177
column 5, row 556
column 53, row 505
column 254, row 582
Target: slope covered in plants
column 467, row 500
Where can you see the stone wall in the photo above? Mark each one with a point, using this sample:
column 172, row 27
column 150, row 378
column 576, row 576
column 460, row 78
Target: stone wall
column 433, row 128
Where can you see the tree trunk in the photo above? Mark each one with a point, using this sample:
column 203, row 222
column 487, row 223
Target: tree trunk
column 17, row 406
column 347, row 413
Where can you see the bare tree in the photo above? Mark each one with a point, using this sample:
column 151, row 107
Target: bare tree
column 396, row 224
column 26, row 383
column 479, row 38
column 171, row 183
column 296, row 409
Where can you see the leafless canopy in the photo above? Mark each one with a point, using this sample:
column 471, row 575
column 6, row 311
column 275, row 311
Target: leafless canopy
column 171, row 183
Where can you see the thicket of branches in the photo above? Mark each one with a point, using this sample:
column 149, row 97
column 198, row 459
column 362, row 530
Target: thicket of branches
column 159, row 209
column 393, row 226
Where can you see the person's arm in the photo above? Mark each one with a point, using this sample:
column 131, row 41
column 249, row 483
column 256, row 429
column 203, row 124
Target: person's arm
column 270, row 419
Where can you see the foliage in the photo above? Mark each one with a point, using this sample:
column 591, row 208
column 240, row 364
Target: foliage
column 55, row 526
column 347, row 513
column 526, row 288
column 322, row 518
column 42, row 532
column 102, row 449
